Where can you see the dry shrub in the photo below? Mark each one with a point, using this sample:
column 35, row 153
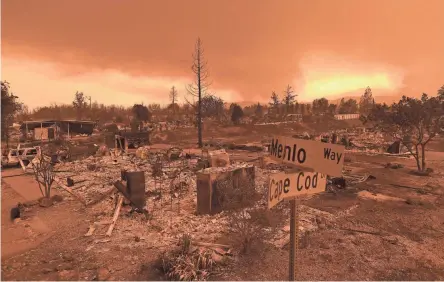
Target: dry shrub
column 44, row 175
column 248, row 228
column 235, row 195
column 187, row 264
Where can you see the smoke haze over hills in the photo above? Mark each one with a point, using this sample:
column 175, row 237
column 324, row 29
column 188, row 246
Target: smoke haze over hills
column 134, row 51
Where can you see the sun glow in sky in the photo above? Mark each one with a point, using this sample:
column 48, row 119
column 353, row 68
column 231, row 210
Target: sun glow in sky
column 335, row 85
column 326, row 75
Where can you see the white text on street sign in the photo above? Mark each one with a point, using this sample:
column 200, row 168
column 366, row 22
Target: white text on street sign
column 322, row 157
column 289, row 185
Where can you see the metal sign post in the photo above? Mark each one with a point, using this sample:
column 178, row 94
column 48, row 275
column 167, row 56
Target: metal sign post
column 322, row 157
column 294, row 236
column 289, row 186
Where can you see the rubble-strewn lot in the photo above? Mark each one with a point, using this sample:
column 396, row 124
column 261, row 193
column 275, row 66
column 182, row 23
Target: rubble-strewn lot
column 386, row 224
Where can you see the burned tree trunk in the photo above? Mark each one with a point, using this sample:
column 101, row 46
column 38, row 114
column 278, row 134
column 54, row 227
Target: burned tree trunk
column 199, row 87
column 199, row 113
column 416, row 156
column 44, row 175
column 423, row 160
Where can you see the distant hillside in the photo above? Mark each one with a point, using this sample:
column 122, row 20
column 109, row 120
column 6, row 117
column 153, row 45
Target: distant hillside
column 388, row 99
column 383, row 97
column 247, row 103
column 379, row 99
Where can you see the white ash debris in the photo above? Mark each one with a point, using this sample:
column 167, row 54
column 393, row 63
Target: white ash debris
column 227, row 168
column 203, row 227
column 143, row 152
column 167, row 225
column 97, row 174
column 171, row 202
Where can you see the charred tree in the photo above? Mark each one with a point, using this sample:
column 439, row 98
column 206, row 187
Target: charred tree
column 173, row 97
column 200, row 85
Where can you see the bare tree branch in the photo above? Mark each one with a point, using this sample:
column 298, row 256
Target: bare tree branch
column 200, row 85
column 191, row 104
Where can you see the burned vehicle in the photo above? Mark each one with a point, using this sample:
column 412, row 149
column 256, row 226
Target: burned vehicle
column 13, row 156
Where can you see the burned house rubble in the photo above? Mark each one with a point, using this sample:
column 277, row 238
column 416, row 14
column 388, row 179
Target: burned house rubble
column 52, row 129
column 141, row 195
column 167, row 193
column 134, row 195
column 360, row 140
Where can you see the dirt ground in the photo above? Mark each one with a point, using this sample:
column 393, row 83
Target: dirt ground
column 377, row 240
column 57, row 251
column 387, row 228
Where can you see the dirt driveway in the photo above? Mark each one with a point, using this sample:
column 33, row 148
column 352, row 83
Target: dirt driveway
column 24, row 235
column 25, row 243
column 50, row 243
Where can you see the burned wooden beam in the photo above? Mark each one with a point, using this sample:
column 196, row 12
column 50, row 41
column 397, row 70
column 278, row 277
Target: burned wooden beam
column 116, row 216
column 70, row 191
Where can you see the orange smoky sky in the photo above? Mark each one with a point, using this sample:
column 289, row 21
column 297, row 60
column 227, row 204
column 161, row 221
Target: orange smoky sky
column 126, row 52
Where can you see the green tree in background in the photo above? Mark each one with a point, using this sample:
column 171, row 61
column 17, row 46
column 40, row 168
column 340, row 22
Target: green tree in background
column 414, row 122
column 289, row 98
column 79, row 104
column 349, row 106
column 236, row 114
column 10, row 107
column 366, row 102
column 140, row 114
